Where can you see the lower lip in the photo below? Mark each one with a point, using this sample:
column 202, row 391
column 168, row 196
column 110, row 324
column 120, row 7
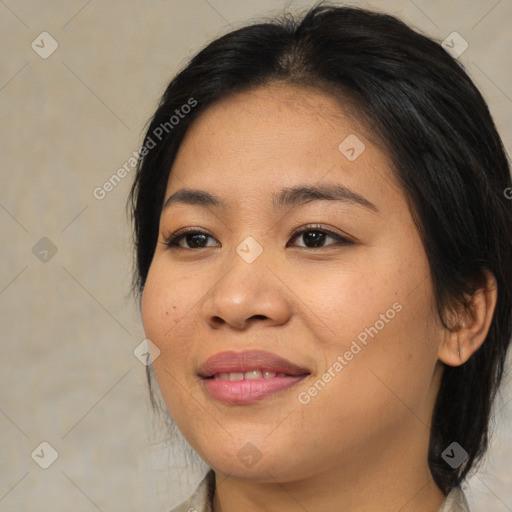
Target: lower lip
column 248, row 391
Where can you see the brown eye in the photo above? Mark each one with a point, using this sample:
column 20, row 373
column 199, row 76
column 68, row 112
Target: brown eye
column 314, row 237
column 193, row 238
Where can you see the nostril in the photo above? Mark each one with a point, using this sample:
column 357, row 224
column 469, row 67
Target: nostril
column 259, row 317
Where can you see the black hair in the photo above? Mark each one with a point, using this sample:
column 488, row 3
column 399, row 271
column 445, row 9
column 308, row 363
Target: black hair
column 444, row 147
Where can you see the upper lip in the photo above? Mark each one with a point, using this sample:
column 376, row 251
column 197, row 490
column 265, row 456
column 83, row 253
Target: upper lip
column 231, row 361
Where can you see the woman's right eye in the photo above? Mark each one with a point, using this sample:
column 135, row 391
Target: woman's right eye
column 193, row 238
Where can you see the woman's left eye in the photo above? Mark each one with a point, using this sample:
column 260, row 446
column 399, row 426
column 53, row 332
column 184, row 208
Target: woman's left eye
column 317, row 236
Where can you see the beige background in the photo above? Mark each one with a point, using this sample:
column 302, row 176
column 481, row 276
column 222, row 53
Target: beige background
column 68, row 327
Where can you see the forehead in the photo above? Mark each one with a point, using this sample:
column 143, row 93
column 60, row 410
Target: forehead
column 252, row 143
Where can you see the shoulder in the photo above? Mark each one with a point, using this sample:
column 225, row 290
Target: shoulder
column 455, row 501
column 201, row 500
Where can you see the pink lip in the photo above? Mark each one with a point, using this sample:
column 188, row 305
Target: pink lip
column 248, row 391
column 227, row 362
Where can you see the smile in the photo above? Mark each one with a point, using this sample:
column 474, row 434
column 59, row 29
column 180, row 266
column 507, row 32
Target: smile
column 251, row 375
column 234, row 389
column 246, row 377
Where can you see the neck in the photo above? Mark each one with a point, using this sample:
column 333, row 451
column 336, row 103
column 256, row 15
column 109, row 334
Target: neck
column 388, row 481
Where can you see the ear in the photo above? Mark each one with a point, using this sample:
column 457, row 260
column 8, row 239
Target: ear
column 471, row 324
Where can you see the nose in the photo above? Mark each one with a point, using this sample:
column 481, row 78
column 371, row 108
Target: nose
column 245, row 294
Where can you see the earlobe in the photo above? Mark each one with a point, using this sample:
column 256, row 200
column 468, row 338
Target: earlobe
column 471, row 324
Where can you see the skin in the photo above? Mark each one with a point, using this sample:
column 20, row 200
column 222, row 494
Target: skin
column 362, row 441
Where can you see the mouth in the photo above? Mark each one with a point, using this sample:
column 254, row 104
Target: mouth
column 247, row 377
column 248, row 365
column 250, row 375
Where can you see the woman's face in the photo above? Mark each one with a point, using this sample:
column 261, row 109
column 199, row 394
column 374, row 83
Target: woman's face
column 353, row 316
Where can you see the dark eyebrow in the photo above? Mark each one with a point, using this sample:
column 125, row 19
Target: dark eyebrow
column 194, row 197
column 326, row 191
column 290, row 196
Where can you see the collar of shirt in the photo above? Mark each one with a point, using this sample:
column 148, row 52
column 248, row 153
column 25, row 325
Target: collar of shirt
column 202, row 499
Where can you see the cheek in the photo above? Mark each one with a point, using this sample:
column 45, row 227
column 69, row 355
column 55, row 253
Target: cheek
column 340, row 303
column 383, row 318
column 154, row 309
column 389, row 354
column 163, row 315
column 166, row 300
column 164, row 309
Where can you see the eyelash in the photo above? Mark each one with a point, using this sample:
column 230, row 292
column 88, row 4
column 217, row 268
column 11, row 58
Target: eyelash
column 173, row 240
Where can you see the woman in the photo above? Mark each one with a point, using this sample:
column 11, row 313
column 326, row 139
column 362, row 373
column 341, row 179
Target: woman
column 323, row 245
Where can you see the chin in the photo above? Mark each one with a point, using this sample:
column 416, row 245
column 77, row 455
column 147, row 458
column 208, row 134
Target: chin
column 256, row 461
